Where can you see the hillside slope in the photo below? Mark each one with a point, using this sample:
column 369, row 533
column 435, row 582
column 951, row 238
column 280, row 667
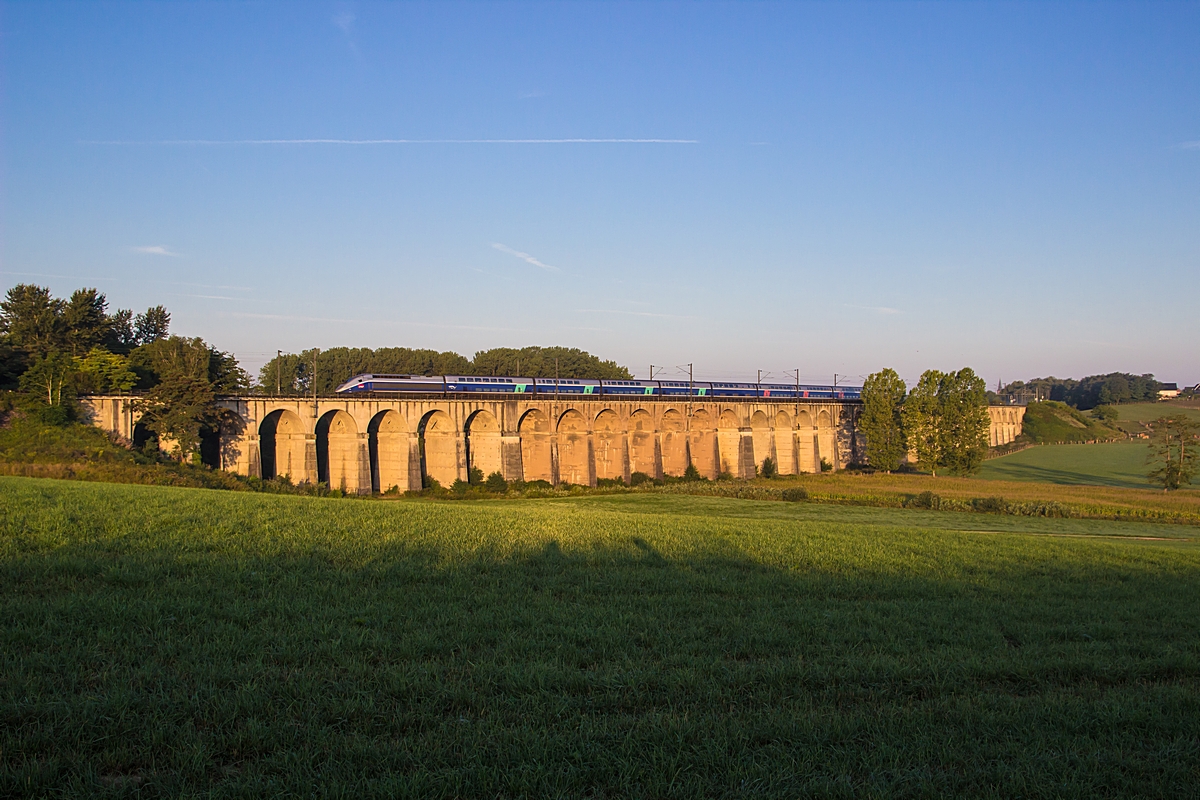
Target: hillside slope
column 1051, row 422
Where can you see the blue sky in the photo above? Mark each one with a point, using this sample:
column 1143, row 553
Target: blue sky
column 1012, row 187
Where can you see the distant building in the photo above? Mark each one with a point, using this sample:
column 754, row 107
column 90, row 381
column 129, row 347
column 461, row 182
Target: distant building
column 1168, row 391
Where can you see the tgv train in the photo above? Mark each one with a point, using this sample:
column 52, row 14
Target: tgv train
column 548, row 387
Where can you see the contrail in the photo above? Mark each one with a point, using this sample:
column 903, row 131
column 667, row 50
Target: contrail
column 389, row 141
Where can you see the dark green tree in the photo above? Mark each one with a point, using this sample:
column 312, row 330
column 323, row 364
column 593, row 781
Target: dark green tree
column 178, row 408
column 177, row 355
column 293, row 372
column 882, row 420
column 151, row 326
column 32, row 319
column 12, row 363
column 539, row 362
column 121, row 336
column 183, row 379
column 85, row 321
column 1174, row 443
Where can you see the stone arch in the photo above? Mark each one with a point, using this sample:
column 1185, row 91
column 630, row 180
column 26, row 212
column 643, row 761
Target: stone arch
column 387, row 444
column 825, row 439
column 785, row 444
column 483, row 443
column 142, row 435
column 210, row 447
column 283, row 447
column 574, row 446
column 806, row 443
column 536, row 460
column 761, row 435
column 439, row 448
column 702, row 444
column 674, row 443
column 339, row 452
column 608, row 445
column 729, row 442
column 643, row 445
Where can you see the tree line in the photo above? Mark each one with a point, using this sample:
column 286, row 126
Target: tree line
column 298, row 373
column 1087, row 393
column 943, row 420
column 53, row 349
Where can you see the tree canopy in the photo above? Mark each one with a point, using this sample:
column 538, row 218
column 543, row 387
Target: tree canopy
column 538, row 362
column 1088, row 392
column 292, row 373
column 53, row 349
column 945, row 416
column 882, row 421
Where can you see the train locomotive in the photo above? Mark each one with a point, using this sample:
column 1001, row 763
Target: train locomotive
column 447, row 385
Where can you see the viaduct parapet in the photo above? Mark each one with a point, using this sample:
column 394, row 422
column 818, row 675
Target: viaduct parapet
column 372, row 444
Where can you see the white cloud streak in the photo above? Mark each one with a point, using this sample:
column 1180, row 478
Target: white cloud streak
column 1190, row 145
column 206, row 296
column 633, row 313
column 877, row 309
column 155, row 250
column 387, row 322
column 217, row 142
column 524, row 257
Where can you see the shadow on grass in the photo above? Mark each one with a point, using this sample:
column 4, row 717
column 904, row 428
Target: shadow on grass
column 405, row 669
column 1030, row 472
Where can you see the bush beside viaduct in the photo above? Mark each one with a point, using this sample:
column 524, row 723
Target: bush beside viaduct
column 371, row 444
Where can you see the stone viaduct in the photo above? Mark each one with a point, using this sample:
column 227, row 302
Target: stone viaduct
column 374, row 444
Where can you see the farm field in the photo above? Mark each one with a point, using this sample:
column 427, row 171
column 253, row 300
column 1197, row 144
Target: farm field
column 1133, row 415
column 1106, row 464
column 172, row 642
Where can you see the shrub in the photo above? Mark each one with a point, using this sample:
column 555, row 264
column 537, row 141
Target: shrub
column 795, row 494
column 609, row 482
column 459, row 487
column 769, row 469
column 692, row 474
column 826, row 466
column 475, row 475
column 538, row 484
column 1039, row 509
column 638, row 478
column 924, row 500
column 496, row 483
column 432, row 483
column 725, row 476
column 989, row 505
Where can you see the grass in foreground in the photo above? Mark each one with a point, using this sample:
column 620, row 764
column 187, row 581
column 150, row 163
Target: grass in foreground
column 176, row 642
column 1105, row 464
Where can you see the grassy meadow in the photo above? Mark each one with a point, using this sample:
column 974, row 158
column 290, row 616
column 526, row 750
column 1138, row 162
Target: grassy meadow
column 1103, row 464
column 161, row 641
column 1133, row 416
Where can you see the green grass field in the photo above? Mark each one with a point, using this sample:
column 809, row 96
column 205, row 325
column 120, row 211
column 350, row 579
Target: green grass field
column 1106, row 464
column 1133, row 415
column 179, row 642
